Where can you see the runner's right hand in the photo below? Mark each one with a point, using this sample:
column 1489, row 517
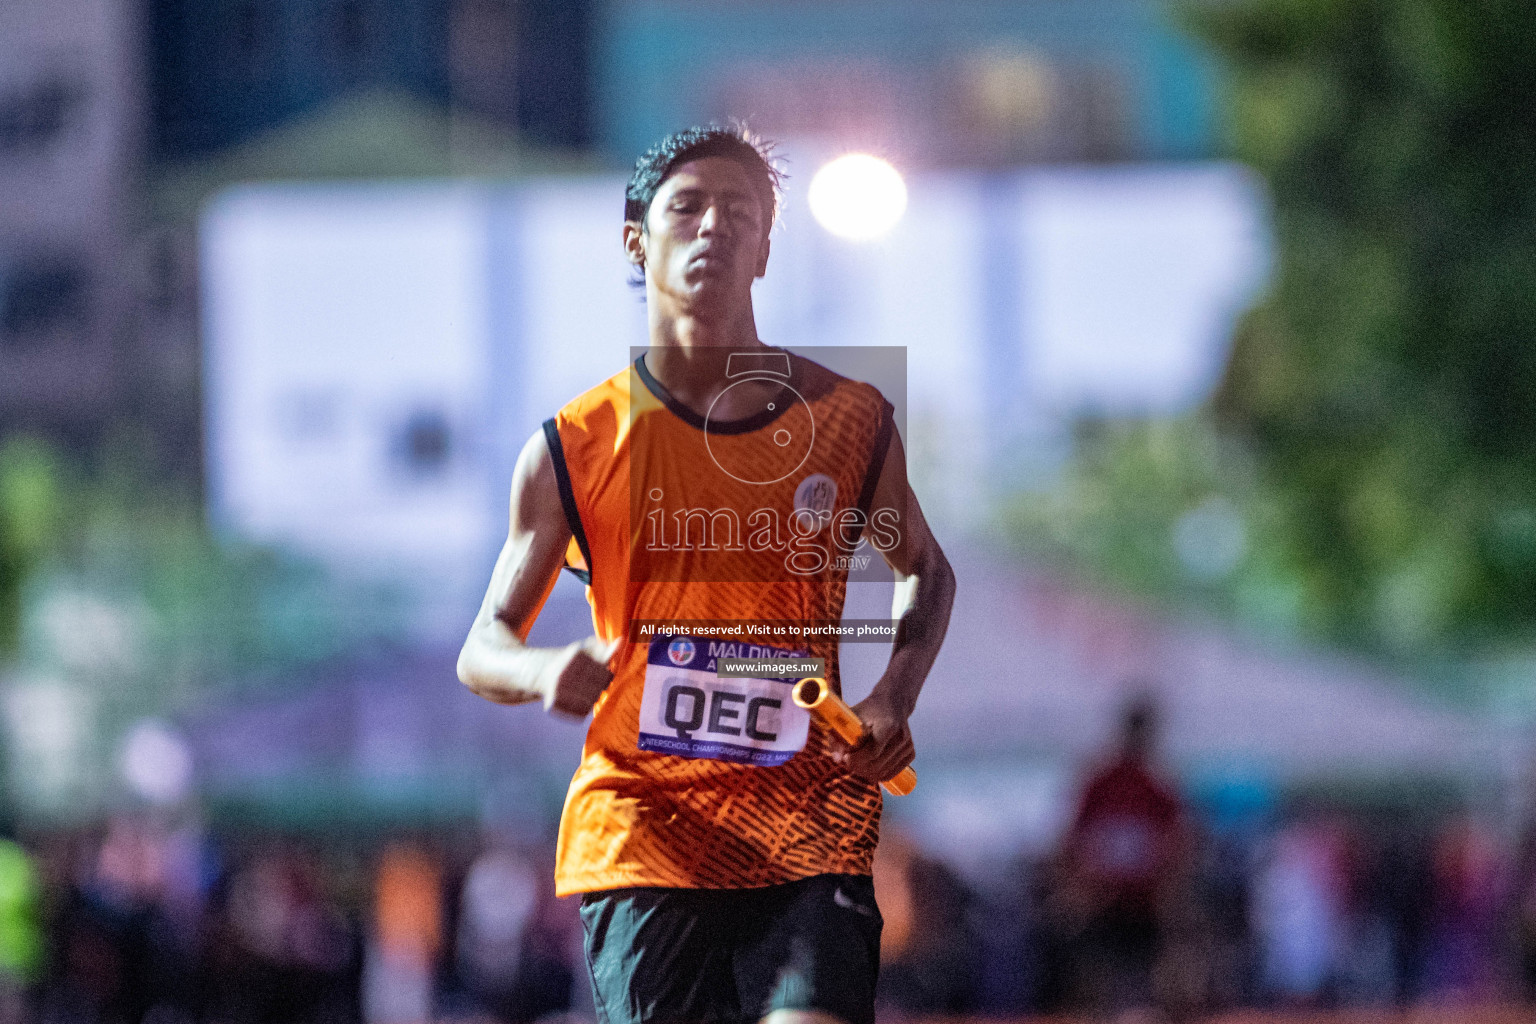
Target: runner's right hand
column 577, row 677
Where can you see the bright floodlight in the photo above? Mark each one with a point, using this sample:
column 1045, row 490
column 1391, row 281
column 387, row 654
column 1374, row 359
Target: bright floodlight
column 857, row 197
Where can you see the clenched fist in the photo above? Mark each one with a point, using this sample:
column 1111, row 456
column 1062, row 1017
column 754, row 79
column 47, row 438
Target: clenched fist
column 577, row 676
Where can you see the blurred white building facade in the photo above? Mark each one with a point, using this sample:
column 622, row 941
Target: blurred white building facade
column 377, row 355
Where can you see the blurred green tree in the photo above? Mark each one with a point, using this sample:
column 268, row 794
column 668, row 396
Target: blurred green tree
column 29, row 513
column 113, row 581
column 118, row 604
column 1372, row 441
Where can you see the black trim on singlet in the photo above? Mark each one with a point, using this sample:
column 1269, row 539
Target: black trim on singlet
column 568, row 499
column 876, row 465
column 757, row 421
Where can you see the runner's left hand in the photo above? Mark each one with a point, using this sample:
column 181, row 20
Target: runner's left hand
column 887, row 746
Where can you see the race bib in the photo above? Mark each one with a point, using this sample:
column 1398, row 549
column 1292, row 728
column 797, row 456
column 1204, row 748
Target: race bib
column 689, row 711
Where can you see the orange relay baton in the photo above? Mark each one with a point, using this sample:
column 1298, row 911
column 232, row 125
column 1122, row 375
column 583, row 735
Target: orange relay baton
column 817, row 697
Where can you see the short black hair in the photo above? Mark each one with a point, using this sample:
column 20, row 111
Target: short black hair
column 734, row 142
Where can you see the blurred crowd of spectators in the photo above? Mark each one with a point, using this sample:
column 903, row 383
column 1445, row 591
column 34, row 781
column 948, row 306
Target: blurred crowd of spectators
column 1143, row 907
column 141, row 921
column 1148, row 910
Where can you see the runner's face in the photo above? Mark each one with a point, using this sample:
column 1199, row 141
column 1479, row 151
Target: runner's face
column 705, row 237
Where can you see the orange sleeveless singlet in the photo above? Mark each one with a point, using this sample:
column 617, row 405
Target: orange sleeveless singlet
column 686, row 780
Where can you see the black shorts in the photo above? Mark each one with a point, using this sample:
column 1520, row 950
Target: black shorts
column 730, row 956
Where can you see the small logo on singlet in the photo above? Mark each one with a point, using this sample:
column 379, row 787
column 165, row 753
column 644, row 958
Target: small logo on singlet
column 817, row 493
column 680, row 652
column 815, row 499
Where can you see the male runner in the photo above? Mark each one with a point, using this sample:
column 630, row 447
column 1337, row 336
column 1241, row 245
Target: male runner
column 720, row 838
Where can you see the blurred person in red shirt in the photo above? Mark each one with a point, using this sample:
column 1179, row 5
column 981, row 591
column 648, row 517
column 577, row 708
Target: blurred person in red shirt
column 1118, row 863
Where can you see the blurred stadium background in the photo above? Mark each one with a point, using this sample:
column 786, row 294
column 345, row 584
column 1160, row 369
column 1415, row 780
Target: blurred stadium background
column 1222, row 397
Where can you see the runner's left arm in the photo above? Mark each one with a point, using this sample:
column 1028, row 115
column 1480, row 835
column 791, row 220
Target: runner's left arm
column 925, row 592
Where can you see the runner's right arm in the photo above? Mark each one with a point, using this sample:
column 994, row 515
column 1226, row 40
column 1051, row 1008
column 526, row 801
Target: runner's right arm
column 496, row 663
